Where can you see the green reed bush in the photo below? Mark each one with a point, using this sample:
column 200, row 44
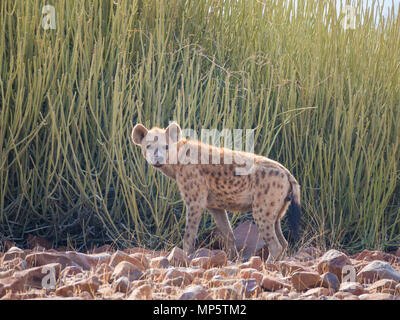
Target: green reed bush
column 322, row 100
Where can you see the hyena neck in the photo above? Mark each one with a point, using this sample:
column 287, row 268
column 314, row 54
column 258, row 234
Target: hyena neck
column 169, row 170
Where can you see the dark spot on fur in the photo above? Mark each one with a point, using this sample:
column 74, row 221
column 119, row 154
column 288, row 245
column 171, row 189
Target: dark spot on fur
column 263, row 174
column 272, row 204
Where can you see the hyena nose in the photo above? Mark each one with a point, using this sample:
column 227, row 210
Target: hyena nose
column 156, row 153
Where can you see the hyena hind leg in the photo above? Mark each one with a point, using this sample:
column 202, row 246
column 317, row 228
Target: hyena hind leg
column 223, row 225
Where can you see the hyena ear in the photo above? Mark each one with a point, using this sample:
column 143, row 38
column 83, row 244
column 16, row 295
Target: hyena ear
column 138, row 133
column 173, row 132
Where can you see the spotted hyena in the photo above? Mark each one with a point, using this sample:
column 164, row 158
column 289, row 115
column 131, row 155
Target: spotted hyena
column 266, row 188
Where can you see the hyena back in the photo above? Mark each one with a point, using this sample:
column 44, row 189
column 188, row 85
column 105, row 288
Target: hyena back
column 267, row 188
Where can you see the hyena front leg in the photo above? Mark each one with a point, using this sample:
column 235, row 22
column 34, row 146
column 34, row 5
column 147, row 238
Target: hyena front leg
column 194, row 192
column 223, row 225
column 193, row 217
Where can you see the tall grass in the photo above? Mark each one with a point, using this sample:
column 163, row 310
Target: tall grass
column 322, row 100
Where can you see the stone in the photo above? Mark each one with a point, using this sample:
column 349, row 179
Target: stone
column 178, row 257
column 353, row 288
column 104, row 272
column 251, row 288
column 12, row 253
column 201, row 262
column 127, row 269
column 345, row 296
column 378, row 296
column 176, row 273
column 70, row 271
column 231, row 271
column 142, row 258
column 90, row 285
column 219, row 258
column 271, row 284
column 251, row 273
column 371, row 255
column 122, row 284
column 383, row 286
column 248, row 241
column 271, row 295
column 317, row 292
column 120, row 256
column 175, row 282
column 377, row 270
column 201, row 253
column 33, row 276
column 159, row 262
column 197, row 292
column 11, row 285
column 69, row 258
column 289, row 267
column 330, row 280
column 208, row 274
column 302, row 280
column 226, row 293
column 333, row 261
column 143, row 292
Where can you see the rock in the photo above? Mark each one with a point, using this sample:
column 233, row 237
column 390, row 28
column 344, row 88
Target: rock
column 251, row 273
column 176, row 273
column 104, row 272
column 159, row 262
column 11, row 285
column 197, row 292
column 219, row 258
column 251, row 288
column 35, row 241
column 226, row 293
column 333, row 261
column 120, row 256
column 69, row 258
column 122, row 284
column 142, row 258
column 345, row 296
column 378, row 296
column 16, row 264
column 289, row 267
column 90, row 285
column 302, row 280
column 70, row 271
column 201, row 253
column 231, row 271
column 248, row 240
column 178, row 257
column 219, row 281
column 330, row 280
column 175, row 282
column 271, row 284
column 33, row 277
column 383, row 286
column 271, row 295
column 368, row 255
column 201, row 262
column 377, row 270
column 397, row 253
column 254, row 262
column 12, row 253
column 6, row 274
column 127, row 269
column 317, row 292
column 143, row 292
column 352, row 287
column 208, row 274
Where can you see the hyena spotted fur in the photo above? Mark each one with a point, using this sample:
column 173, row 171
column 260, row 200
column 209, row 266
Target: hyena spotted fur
column 267, row 189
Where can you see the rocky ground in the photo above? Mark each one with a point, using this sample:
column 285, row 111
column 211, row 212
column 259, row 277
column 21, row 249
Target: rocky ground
column 138, row 273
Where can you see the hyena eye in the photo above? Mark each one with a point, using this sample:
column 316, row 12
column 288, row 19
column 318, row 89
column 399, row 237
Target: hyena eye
column 148, row 146
column 166, row 147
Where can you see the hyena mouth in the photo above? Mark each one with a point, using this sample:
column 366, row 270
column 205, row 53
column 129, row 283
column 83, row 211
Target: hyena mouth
column 157, row 165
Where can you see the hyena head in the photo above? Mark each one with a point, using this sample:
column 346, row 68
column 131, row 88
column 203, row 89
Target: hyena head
column 157, row 144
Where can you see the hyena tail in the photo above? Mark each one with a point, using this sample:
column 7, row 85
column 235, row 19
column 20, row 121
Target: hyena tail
column 294, row 213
